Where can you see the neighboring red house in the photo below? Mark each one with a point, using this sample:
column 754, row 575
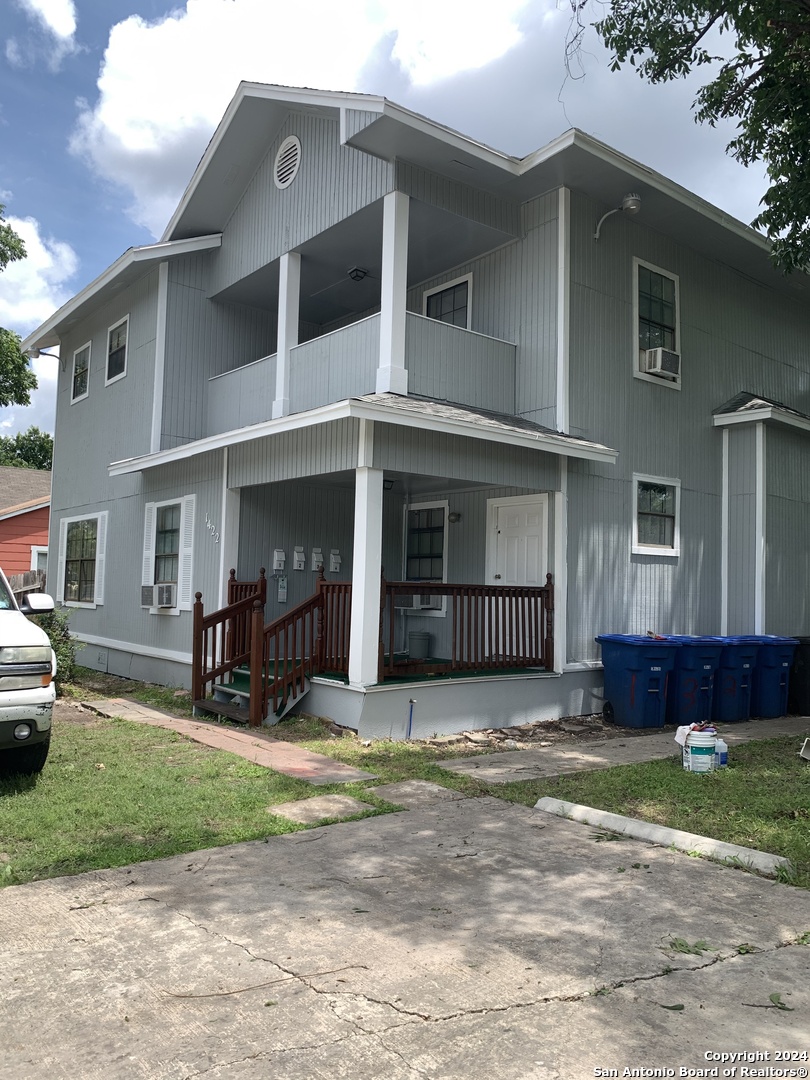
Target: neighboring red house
column 25, row 507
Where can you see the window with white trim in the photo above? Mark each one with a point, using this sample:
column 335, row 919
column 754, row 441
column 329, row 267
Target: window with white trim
column 117, row 337
column 39, row 557
column 80, row 383
column 426, row 551
column 168, row 553
column 656, row 515
column 656, row 321
column 450, row 303
column 82, row 557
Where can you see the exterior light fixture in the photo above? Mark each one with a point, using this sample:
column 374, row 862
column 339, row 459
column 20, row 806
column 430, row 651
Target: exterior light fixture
column 631, row 204
column 357, row 273
column 35, row 354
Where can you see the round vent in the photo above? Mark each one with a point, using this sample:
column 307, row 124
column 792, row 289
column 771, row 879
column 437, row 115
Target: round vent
column 288, row 160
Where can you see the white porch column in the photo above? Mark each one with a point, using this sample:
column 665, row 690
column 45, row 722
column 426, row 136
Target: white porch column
column 366, row 567
column 392, row 375
column 289, row 290
column 228, row 530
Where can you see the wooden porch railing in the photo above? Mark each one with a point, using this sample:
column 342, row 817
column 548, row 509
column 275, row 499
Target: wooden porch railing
column 491, row 626
column 222, row 639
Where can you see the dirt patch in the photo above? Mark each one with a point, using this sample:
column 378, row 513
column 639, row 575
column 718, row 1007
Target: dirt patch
column 69, row 712
column 593, row 728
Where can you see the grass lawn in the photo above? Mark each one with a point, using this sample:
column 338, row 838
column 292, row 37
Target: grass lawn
column 115, row 792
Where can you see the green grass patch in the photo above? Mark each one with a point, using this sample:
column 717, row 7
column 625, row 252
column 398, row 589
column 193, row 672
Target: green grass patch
column 115, row 792
column 762, row 800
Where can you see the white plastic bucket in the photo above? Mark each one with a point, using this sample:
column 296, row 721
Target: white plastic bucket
column 698, row 754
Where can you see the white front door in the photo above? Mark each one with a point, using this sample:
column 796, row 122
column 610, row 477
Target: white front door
column 517, row 554
column 518, row 535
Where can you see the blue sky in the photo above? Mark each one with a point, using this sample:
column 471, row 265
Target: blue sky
column 107, row 105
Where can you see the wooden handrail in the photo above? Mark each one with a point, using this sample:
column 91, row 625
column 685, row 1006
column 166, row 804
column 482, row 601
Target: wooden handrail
column 222, row 639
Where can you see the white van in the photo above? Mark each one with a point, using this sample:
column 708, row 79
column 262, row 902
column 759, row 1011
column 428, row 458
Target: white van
column 27, row 688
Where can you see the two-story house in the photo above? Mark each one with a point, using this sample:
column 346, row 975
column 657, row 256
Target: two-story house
column 370, row 344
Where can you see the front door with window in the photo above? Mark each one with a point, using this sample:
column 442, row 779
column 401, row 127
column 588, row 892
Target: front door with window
column 517, row 553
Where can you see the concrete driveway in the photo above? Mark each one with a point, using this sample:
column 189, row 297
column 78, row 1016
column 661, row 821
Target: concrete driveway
column 462, row 938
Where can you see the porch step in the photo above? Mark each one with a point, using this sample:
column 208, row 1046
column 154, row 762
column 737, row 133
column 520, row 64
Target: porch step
column 221, row 708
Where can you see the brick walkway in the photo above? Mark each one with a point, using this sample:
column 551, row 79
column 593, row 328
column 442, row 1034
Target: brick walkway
column 261, row 749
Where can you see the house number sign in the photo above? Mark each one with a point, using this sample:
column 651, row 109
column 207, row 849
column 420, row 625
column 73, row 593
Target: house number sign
column 212, row 529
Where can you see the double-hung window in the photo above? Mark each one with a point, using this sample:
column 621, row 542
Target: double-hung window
column 656, row 320
column 450, row 303
column 80, row 572
column 117, row 350
column 426, row 550
column 656, row 519
column 168, row 548
column 81, row 373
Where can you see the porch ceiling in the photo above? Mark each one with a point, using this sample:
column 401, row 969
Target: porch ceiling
column 437, row 241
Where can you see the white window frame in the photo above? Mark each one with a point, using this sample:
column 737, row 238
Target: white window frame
column 443, row 288
column 653, row 549
column 36, row 551
column 107, row 380
column 659, row 380
column 185, row 561
column 435, row 504
column 80, row 397
column 101, row 519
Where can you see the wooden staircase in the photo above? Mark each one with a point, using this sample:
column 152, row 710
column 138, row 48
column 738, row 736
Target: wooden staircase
column 250, row 672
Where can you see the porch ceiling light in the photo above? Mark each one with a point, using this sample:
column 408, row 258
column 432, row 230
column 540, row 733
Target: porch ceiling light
column 388, row 482
column 631, row 204
column 357, row 273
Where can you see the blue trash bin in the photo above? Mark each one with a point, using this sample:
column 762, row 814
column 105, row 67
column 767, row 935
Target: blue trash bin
column 770, row 684
column 636, row 673
column 691, row 687
column 732, row 683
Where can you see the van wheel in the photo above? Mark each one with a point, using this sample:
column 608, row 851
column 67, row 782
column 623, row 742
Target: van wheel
column 27, row 760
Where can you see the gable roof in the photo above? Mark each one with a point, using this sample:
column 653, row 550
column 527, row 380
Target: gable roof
column 23, row 489
column 749, row 408
column 386, row 130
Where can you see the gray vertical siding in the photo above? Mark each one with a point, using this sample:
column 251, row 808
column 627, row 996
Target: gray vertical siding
column 121, row 618
column 742, row 509
column 335, row 366
column 432, row 453
column 295, row 513
column 312, row 451
column 204, row 339
column 333, row 182
column 735, row 335
column 451, row 364
column 787, row 531
column 459, row 198
column 242, row 396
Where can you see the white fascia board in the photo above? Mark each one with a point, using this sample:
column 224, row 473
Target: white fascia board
column 26, row 509
column 46, row 335
column 361, row 410
column 754, row 416
column 645, row 175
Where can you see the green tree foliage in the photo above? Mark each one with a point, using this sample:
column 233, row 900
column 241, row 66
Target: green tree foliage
column 757, row 61
column 17, row 380
column 32, row 449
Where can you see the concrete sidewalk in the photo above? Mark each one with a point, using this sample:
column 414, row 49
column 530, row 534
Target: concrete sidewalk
column 465, row 939
column 255, row 746
column 556, row 760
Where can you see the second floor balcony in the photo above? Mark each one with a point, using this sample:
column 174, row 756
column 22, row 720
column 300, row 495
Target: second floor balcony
column 442, row 361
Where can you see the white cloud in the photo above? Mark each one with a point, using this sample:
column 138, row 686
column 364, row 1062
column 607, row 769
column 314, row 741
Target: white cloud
column 164, row 85
column 54, row 36
column 56, row 16
column 30, row 291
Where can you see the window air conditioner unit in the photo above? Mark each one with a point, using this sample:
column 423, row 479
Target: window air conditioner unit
column 663, row 362
column 419, row 602
column 159, row 596
column 165, row 596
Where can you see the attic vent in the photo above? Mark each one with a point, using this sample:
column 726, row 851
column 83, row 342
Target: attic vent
column 288, row 160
